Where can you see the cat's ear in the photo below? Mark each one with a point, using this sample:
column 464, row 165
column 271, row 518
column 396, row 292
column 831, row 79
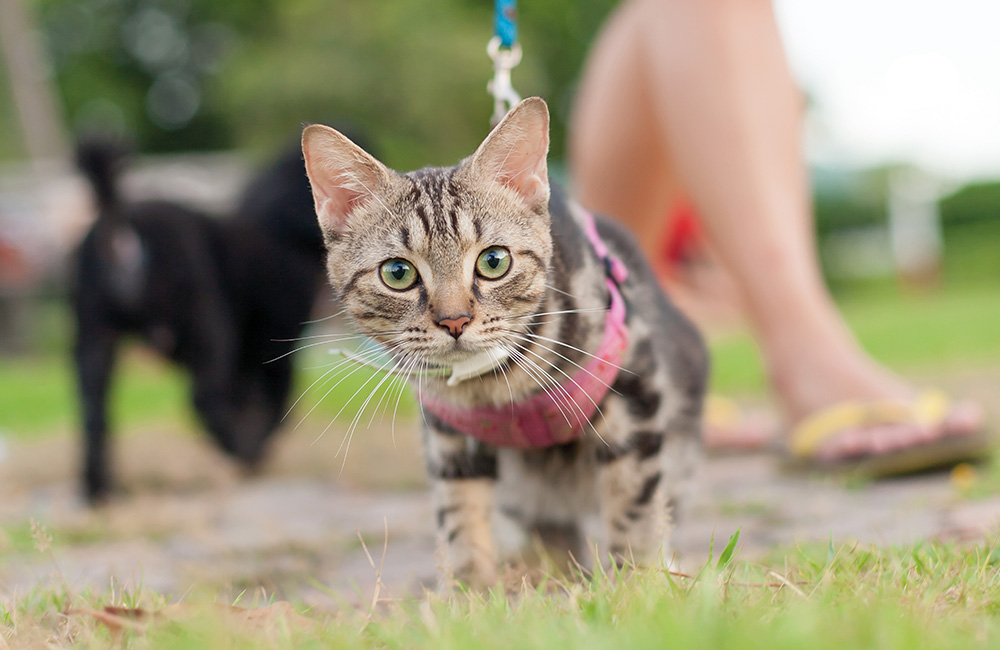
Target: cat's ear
column 514, row 153
column 342, row 174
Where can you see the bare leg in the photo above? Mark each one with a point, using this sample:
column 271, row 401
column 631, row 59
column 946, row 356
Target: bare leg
column 698, row 94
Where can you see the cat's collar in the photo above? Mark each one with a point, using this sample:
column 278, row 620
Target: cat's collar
column 479, row 364
column 557, row 415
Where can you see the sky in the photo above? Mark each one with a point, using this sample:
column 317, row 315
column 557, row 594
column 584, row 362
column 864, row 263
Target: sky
column 898, row 80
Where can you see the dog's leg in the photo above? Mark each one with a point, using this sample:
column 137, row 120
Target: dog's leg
column 277, row 381
column 218, row 386
column 214, row 400
column 94, row 354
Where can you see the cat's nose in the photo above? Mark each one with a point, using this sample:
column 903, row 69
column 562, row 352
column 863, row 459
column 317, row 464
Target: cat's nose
column 455, row 325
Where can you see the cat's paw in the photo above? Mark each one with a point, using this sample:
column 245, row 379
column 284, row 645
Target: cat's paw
column 473, row 576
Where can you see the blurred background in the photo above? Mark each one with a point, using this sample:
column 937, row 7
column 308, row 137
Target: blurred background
column 903, row 134
column 903, row 142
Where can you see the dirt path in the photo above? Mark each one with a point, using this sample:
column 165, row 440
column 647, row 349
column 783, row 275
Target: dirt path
column 191, row 524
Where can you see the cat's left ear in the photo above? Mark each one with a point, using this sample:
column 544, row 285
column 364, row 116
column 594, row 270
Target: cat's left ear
column 342, row 174
column 514, row 153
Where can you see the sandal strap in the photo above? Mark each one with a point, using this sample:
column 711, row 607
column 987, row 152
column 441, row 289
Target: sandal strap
column 928, row 408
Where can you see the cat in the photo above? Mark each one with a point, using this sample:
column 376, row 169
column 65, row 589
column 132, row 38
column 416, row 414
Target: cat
column 575, row 386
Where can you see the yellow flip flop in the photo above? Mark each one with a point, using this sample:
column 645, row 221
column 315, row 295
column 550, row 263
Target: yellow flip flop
column 929, row 408
column 731, row 428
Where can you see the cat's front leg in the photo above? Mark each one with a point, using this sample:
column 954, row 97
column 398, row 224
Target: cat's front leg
column 463, row 472
column 632, row 499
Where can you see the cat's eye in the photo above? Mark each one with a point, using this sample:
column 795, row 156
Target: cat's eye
column 493, row 263
column 398, row 274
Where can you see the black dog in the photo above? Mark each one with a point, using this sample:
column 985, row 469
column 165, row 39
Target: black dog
column 222, row 297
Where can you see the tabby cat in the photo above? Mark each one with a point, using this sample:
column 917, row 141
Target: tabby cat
column 571, row 385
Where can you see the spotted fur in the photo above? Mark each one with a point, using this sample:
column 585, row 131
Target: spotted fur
column 638, row 450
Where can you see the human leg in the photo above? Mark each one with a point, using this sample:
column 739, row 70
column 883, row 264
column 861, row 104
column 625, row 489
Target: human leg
column 703, row 93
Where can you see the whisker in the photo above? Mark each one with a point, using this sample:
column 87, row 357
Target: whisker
column 582, row 310
column 562, row 356
column 420, row 381
column 357, row 417
column 403, row 383
column 348, row 401
column 575, row 383
column 336, row 366
column 562, row 390
column 395, row 409
column 561, row 395
column 312, row 345
column 558, row 290
column 325, row 318
column 498, row 365
column 572, row 347
column 374, row 353
column 329, row 335
column 521, row 360
column 393, row 374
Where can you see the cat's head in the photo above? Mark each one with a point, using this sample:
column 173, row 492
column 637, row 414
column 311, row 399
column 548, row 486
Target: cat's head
column 441, row 264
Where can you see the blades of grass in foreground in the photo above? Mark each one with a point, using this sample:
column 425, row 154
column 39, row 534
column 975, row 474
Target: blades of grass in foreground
column 928, row 596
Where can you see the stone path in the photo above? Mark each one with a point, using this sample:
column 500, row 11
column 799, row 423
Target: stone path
column 294, row 531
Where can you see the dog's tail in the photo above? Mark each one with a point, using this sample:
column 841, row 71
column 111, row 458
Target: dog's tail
column 100, row 159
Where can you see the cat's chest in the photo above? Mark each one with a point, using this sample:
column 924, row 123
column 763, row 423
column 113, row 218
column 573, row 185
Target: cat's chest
column 558, row 481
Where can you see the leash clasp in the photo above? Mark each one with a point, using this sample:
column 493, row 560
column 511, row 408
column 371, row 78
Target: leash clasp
column 504, row 59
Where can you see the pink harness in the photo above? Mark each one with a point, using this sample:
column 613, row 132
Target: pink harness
column 557, row 415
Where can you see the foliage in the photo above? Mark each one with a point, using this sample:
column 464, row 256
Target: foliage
column 146, row 67
column 974, row 202
column 200, row 74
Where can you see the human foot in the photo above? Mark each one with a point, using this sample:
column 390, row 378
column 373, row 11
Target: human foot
column 892, row 436
column 846, row 408
column 732, row 427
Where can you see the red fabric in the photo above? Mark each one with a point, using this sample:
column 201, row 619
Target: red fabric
column 683, row 236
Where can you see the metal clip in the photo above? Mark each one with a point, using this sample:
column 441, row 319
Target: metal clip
column 504, row 95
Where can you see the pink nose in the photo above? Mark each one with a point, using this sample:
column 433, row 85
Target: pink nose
column 455, row 326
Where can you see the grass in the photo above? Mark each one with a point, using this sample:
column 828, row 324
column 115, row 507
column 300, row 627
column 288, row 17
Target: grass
column 909, row 332
column 38, row 394
column 928, row 596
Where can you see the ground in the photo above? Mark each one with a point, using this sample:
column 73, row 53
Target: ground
column 193, row 524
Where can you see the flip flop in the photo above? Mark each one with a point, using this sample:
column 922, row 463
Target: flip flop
column 732, row 428
column 929, row 410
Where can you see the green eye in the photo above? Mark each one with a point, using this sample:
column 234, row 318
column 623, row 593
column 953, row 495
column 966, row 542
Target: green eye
column 398, row 274
column 493, row 263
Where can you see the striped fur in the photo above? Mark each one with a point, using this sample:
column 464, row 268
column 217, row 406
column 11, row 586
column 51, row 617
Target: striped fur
column 640, row 448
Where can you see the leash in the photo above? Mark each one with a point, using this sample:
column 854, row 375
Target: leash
column 505, row 52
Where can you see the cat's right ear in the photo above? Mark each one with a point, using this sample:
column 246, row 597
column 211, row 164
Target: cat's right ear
column 514, row 153
column 342, row 174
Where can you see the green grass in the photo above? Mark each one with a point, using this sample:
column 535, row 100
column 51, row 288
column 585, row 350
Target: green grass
column 926, row 596
column 38, row 395
column 909, row 332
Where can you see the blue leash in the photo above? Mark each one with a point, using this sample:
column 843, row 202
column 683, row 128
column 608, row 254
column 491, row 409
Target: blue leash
column 505, row 51
column 505, row 22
